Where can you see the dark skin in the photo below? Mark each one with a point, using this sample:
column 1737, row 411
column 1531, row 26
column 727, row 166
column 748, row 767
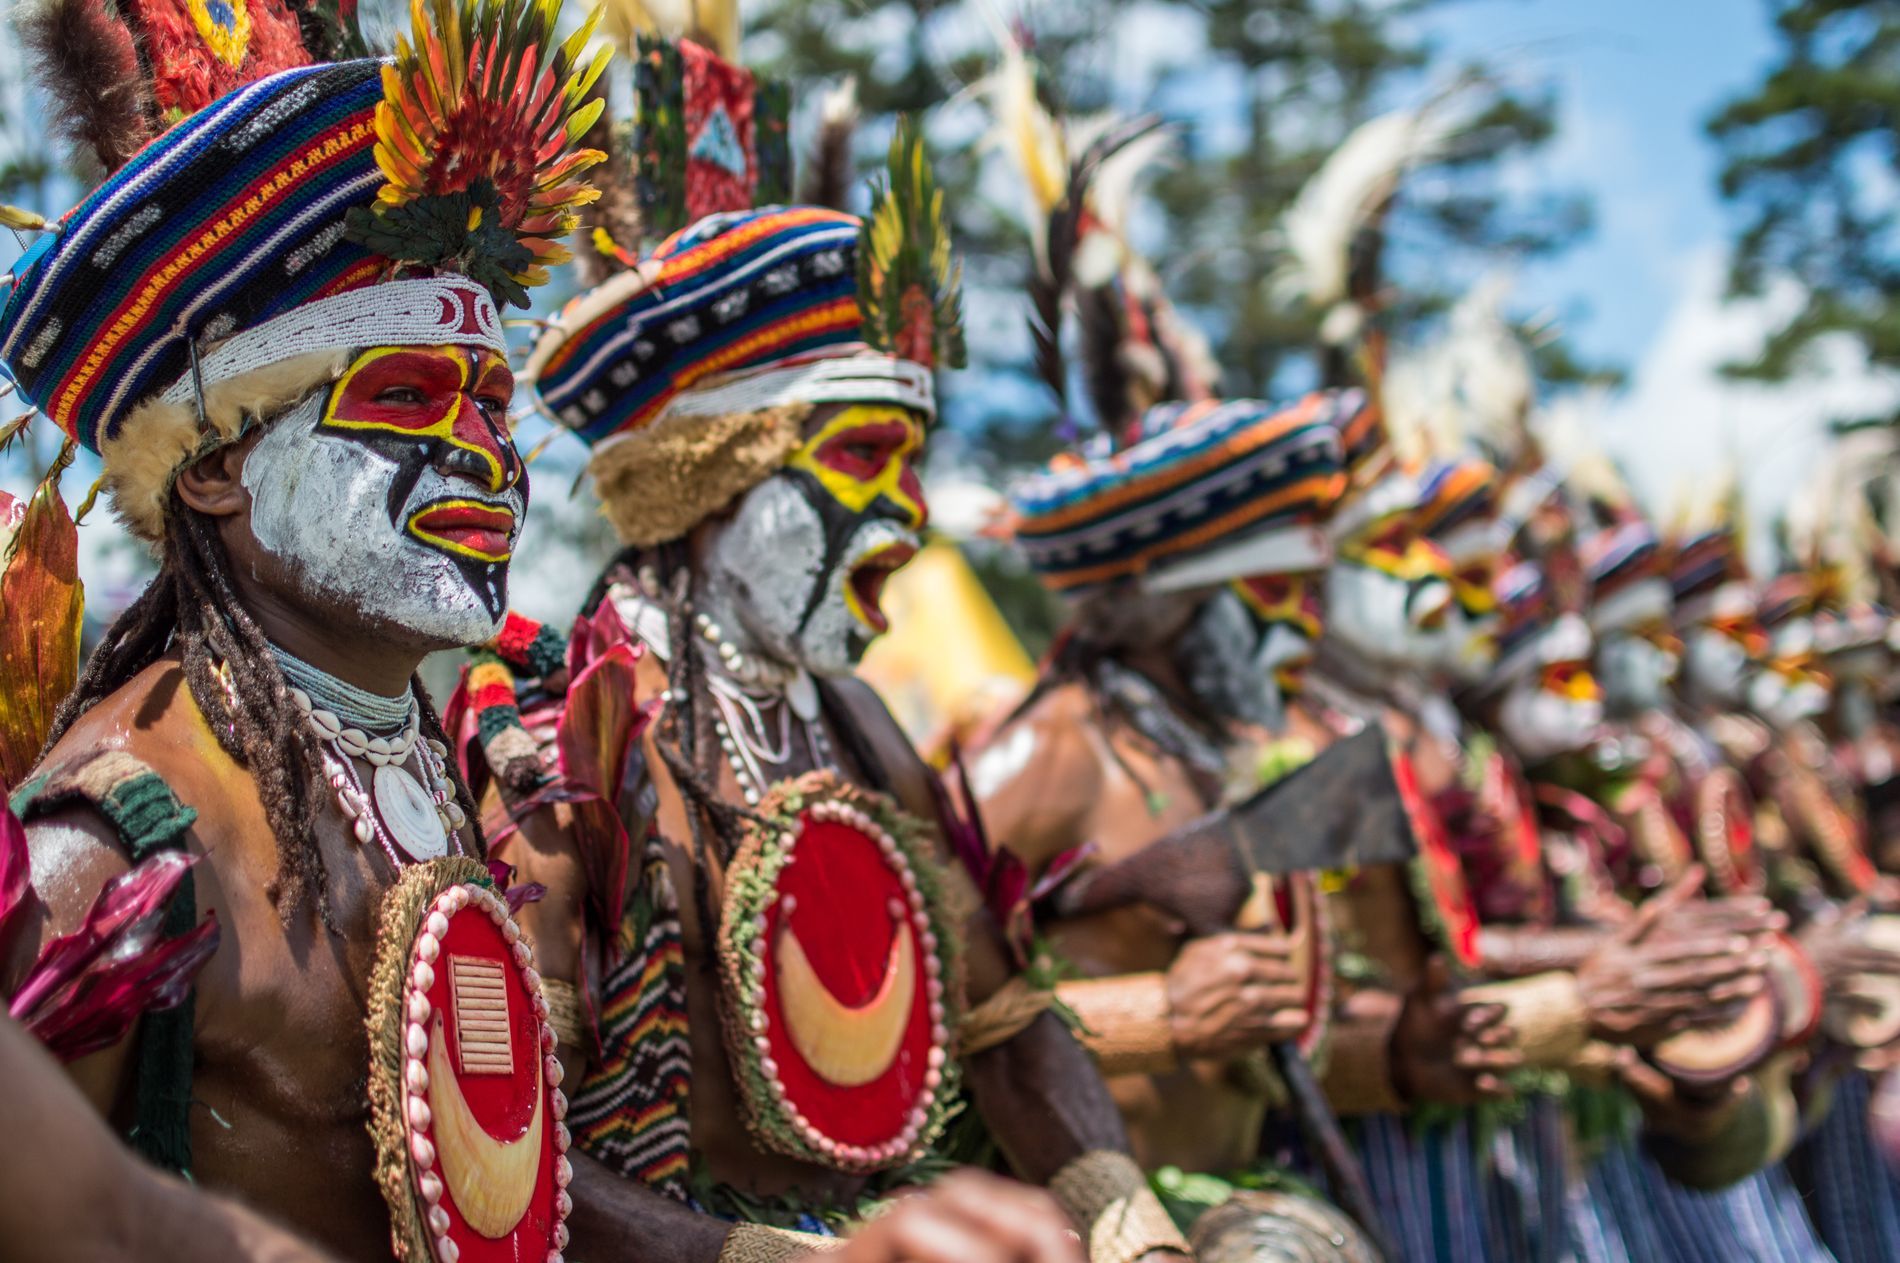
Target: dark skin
column 77, row 1195
column 1042, row 1100
column 281, row 1059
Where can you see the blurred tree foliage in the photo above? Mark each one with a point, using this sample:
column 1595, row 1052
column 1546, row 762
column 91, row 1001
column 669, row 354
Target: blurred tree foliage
column 1260, row 92
column 1809, row 156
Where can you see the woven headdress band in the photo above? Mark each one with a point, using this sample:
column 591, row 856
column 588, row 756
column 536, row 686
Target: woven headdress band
column 420, row 311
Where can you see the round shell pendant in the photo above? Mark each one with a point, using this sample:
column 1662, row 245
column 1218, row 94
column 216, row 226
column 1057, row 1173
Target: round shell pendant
column 408, row 813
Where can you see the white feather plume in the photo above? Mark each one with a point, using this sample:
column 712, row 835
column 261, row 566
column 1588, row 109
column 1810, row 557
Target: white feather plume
column 1349, row 191
column 1495, row 382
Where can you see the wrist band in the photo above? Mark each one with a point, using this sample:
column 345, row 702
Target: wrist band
column 1546, row 1012
column 1108, row 1197
column 1003, row 1016
column 756, row 1243
column 1127, row 1023
column 1358, row 1074
column 564, row 1012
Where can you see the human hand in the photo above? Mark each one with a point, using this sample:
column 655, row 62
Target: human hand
column 1681, row 962
column 968, row 1217
column 1452, row 1049
column 1235, row 992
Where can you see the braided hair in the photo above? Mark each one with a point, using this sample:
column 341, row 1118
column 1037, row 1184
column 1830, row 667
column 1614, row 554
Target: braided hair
column 193, row 606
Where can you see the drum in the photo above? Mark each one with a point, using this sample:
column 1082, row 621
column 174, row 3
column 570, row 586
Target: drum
column 1880, row 1027
column 1260, row 1226
column 1785, row 1013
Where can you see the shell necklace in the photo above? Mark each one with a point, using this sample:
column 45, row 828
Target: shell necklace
column 408, row 821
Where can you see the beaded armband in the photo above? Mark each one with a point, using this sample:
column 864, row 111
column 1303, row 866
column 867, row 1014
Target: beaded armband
column 1109, row 1199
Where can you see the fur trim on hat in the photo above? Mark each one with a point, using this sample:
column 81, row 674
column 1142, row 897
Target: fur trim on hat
column 159, row 439
column 658, row 482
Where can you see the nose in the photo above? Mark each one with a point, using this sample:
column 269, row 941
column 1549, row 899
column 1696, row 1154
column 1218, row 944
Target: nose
column 481, row 453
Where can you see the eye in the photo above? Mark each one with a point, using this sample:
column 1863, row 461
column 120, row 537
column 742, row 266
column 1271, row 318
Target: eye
column 493, row 407
column 863, row 452
column 403, row 396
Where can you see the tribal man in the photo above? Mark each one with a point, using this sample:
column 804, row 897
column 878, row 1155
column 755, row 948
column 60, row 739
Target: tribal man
column 304, row 407
column 771, row 960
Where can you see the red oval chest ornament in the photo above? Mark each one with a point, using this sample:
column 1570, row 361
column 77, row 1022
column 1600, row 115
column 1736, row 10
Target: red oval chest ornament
column 840, row 989
column 465, row 1096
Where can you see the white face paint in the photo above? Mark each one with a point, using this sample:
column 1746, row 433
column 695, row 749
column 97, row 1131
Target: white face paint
column 1381, row 618
column 1783, row 700
column 320, row 503
column 1635, row 673
column 1714, row 667
column 771, row 578
column 1539, row 724
column 1467, row 646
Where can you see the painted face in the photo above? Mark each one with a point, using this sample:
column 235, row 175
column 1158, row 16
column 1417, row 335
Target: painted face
column 1791, row 685
column 1556, row 711
column 397, row 493
column 1388, row 594
column 1470, row 639
column 1287, row 612
column 801, row 564
column 1717, row 658
column 1636, row 668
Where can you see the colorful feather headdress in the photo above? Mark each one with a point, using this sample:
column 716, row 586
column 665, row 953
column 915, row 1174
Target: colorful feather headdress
column 221, row 271
column 691, row 373
column 1136, row 351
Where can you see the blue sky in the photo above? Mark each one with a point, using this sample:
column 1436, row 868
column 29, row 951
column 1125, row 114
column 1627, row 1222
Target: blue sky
column 1636, row 79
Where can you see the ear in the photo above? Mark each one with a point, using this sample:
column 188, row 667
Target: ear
column 214, row 483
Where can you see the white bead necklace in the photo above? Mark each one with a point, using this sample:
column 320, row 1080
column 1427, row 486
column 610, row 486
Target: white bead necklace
column 411, row 815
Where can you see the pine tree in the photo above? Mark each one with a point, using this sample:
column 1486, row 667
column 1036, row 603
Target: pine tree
column 1809, row 156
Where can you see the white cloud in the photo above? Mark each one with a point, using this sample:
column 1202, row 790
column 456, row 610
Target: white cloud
column 1681, row 422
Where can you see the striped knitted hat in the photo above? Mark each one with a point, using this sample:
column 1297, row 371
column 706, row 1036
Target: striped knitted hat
column 692, row 373
column 1626, row 571
column 1214, row 491
column 1532, row 632
column 1459, row 509
column 233, row 264
column 1708, row 576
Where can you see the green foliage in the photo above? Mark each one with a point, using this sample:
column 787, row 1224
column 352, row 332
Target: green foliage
column 1308, row 70
column 462, row 230
column 1809, row 156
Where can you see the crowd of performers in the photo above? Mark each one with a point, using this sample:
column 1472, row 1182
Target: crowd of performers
column 1409, row 850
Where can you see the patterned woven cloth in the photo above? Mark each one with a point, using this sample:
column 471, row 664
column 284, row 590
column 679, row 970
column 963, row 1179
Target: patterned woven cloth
column 1219, row 475
column 729, row 299
column 232, row 217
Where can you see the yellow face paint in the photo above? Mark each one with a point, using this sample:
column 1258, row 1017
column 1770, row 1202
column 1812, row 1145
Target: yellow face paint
column 868, row 452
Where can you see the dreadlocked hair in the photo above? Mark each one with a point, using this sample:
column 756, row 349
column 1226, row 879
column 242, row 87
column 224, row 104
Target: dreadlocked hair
column 192, row 606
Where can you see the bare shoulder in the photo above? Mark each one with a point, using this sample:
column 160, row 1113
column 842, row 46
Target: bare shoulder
column 1040, row 776
column 1051, row 742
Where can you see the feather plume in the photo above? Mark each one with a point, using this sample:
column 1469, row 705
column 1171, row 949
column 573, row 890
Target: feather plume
column 712, row 23
column 611, row 228
column 85, row 58
column 1027, row 133
column 1056, row 275
column 1347, row 196
column 828, row 171
column 1494, row 379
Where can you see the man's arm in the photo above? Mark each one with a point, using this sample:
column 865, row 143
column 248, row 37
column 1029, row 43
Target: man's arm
column 75, row 1193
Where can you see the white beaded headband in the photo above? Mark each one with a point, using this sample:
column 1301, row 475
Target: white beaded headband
column 861, row 375
column 419, row 311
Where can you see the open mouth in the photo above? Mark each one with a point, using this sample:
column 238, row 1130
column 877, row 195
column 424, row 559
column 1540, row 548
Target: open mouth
column 864, row 587
column 467, row 528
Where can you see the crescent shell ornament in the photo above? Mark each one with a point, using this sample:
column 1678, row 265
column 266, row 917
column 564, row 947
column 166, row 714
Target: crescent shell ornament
column 466, row 1107
column 840, row 981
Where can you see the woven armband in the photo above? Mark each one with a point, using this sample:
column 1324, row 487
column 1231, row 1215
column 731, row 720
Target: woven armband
column 1108, row 1197
column 564, row 1012
column 1005, row 1015
column 1126, row 1021
column 756, row 1243
column 1358, row 1076
column 1547, row 1013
